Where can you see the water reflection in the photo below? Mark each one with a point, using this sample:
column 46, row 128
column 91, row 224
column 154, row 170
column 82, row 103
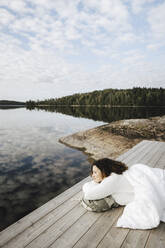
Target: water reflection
column 10, row 107
column 34, row 166
column 26, row 185
column 106, row 114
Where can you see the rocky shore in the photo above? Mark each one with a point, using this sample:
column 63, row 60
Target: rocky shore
column 115, row 138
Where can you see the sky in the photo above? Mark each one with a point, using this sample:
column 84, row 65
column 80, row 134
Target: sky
column 54, row 48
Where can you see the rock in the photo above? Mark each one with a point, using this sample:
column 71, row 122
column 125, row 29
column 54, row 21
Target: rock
column 97, row 143
column 115, row 138
column 152, row 128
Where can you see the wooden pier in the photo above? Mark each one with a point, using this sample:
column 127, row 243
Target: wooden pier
column 63, row 222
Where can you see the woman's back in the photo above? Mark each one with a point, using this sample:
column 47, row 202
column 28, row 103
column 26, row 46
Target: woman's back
column 124, row 192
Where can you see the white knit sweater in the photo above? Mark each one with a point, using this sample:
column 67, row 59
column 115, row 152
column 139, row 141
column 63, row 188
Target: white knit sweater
column 116, row 185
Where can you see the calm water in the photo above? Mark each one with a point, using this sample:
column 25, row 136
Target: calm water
column 34, row 166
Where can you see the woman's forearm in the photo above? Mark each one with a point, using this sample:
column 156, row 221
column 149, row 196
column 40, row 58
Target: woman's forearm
column 95, row 191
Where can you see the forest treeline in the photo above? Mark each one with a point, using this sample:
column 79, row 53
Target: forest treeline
column 8, row 102
column 111, row 97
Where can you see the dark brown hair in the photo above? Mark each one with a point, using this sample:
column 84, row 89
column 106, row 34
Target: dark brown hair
column 107, row 166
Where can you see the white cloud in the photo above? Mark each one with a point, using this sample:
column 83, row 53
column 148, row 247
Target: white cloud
column 113, row 8
column 156, row 19
column 128, row 37
column 37, row 73
column 5, row 17
column 138, row 5
column 54, row 48
column 18, row 6
column 140, row 73
column 111, row 14
column 53, row 24
column 35, row 65
column 154, row 46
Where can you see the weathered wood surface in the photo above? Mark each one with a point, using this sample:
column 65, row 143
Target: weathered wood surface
column 63, row 222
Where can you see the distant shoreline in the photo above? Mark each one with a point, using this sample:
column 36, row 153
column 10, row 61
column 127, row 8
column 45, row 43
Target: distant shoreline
column 126, row 106
column 9, row 105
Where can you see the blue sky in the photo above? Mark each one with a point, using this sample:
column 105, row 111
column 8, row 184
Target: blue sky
column 56, row 48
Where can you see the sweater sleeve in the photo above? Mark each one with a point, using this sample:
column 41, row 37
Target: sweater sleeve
column 95, row 191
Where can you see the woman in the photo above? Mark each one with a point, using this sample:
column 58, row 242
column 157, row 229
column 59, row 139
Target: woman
column 140, row 188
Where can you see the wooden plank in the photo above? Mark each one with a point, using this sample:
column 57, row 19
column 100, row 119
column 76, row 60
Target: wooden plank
column 157, row 237
column 141, row 145
column 152, row 155
column 78, row 215
column 73, row 234
column 134, row 148
column 136, row 239
column 98, row 230
column 31, row 233
column 141, row 153
column 113, row 238
column 161, row 162
column 160, row 156
column 27, row 221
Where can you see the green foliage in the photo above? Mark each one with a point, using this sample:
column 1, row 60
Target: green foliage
column 111, row 97
column 30, row 104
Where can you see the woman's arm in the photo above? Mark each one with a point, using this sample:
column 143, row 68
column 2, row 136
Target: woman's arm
column 95, row 191
column 88, row 186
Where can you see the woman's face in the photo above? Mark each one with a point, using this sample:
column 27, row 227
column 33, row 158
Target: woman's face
column 97, row 174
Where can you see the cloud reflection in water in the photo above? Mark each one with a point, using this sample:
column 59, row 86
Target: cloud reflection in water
column 34, row 166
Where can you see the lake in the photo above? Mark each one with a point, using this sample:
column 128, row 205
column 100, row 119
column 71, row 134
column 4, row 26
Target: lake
column 34, row 166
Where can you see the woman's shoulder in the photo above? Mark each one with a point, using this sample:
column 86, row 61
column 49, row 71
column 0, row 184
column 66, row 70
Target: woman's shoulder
column 112, row 177
column 139, row 169
column 139, row 166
